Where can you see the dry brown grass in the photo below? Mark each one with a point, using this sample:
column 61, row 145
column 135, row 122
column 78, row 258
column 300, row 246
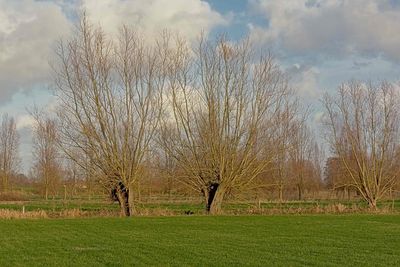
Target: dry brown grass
column 73, row 213
column 16, row 214
column 40, row 214
column 339, row 208
column 155, row 212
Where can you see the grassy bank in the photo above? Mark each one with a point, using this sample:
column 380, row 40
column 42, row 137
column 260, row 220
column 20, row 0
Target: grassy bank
column 321, row 240
column 103, row 207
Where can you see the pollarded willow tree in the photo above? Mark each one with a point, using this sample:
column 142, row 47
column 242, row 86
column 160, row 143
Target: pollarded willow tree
column 110, row 95
column 222, row 102
column 363, row 130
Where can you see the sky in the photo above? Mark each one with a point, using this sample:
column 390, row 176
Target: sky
column 319, row 43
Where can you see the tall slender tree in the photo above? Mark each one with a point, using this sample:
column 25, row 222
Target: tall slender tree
column 46, row 154
column 9, row 144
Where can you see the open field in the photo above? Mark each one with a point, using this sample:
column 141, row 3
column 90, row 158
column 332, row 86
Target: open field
column 319, row 240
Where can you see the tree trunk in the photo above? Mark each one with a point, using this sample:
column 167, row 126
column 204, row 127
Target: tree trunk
column 122, row 194
column 131, row 200
column 280, row 188
column 300, row 191
column 88, row 183
column 391, row 196
column 214, row 195
column 123, row 203
column 209, row 194
column 65, row 193
column 46, row 185
column 216, row 205
column 372, row 204
column 139, row 192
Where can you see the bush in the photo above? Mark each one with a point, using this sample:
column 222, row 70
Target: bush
column 13, row 196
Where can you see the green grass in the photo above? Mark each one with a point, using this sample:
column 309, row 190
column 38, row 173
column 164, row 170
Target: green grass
column 52, row 208
column 318, row 240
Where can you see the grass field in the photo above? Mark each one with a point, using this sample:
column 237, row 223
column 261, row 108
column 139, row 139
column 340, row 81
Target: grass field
column 319, row 240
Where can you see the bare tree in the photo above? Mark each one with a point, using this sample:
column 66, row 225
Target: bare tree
column 72, row 178
column 9, row 144
column 222, row 101
column 337, row 178
column 46, row 153
column 286, row 122
column 363, row 130
column 304, row 168
column 110, row 95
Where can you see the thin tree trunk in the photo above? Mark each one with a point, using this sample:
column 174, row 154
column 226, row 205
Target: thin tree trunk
column 139, row 192
column 65, row 193
column 391, row 196
column 131, row 200
column 300, row 191
column 169, row 187
column 372, row 203
column 89, row 188
column 280, row 188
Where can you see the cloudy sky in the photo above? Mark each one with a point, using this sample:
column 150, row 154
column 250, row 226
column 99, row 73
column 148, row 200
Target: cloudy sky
column 320, row 43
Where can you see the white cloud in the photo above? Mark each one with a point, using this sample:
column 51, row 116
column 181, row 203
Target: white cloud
column 24, row 121
column 307, row 83
column 319, row 117
column 187, row 17
column 304, row 79
column 28, row 29
column 331, row 27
